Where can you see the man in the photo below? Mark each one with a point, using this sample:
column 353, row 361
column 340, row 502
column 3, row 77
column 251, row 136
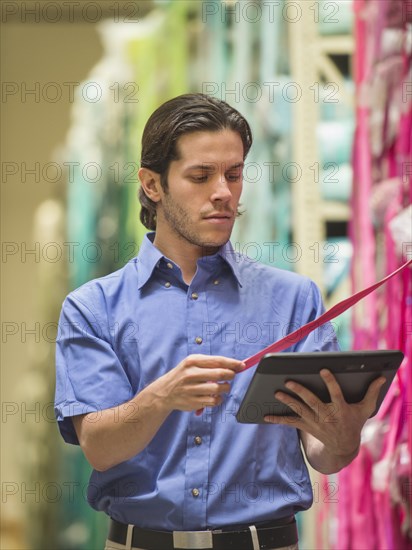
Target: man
column 144, row 348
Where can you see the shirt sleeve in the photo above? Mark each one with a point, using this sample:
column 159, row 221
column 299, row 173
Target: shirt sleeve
column 324, row 337
column 89, row 374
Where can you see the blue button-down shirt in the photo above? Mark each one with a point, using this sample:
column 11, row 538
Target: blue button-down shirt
column 119, row 333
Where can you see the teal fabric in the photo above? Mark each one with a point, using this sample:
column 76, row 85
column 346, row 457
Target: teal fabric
column 334, row 17
column 336, row 182
column 335, row 141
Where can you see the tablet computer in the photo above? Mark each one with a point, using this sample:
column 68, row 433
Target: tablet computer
column 353, row 370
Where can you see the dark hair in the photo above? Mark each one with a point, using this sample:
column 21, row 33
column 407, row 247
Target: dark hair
column 182, row 115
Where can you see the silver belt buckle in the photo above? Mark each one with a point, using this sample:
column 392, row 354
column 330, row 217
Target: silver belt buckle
column 192, row 539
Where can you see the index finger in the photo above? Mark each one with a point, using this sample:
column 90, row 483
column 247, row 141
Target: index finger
column 215, row 362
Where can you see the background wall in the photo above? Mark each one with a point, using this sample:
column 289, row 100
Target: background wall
column 34, row 54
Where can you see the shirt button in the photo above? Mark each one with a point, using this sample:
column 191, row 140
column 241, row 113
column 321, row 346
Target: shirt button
column 194, row 296
column 195, row 492
column 169, row 265
column 198, row 440
column 198, row 340
column 216, row 282
column 168, row 285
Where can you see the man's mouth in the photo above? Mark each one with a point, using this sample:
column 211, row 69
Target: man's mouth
column 220, row 219
column 219, row 215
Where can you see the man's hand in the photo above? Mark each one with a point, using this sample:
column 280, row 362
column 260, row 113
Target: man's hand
column 330, row 432
column 196, row 382
column 124, row 431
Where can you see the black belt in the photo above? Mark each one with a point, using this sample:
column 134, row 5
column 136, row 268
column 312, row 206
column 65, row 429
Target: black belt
column 273, row 534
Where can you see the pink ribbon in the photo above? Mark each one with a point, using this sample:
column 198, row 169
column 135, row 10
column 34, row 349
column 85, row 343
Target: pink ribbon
column 301, row 332
column 336, row 310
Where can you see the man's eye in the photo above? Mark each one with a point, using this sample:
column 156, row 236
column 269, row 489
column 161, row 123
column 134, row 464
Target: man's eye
column 234, row 177
column 199, row 179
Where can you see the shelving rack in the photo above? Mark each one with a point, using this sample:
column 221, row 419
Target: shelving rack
column 312, row 66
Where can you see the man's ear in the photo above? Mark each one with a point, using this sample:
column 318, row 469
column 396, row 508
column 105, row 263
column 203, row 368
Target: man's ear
column 150, row 182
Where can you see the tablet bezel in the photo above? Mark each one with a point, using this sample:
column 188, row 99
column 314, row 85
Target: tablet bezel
column 275, row 369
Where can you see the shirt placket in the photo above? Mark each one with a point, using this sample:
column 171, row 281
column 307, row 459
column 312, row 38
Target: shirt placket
column 199, row 427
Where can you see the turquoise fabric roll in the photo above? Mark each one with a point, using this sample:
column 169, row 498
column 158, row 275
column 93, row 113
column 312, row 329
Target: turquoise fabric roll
column 335, row 141
column 334, row 17
column 331, row 103
column 336, row 182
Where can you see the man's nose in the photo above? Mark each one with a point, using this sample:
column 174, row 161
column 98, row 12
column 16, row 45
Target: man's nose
column 221, row 190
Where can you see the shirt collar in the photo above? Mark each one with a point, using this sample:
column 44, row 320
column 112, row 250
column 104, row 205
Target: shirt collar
column 232, row 258
column 149, row 257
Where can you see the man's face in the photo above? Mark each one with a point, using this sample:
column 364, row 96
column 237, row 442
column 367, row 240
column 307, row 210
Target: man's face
column 204, row 188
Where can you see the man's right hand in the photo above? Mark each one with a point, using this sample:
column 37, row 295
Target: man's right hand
column 124, row 431
column 196, row 382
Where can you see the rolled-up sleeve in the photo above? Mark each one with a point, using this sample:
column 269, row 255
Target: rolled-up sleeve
column 89, row 374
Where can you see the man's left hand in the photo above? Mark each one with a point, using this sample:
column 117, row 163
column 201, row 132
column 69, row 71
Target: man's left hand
column 336, row 425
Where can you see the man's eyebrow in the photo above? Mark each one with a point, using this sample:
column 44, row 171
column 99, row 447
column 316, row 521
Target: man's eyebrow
column 209, row 167
column 236, row 165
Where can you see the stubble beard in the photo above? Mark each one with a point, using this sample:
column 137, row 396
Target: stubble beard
column 179, row 221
